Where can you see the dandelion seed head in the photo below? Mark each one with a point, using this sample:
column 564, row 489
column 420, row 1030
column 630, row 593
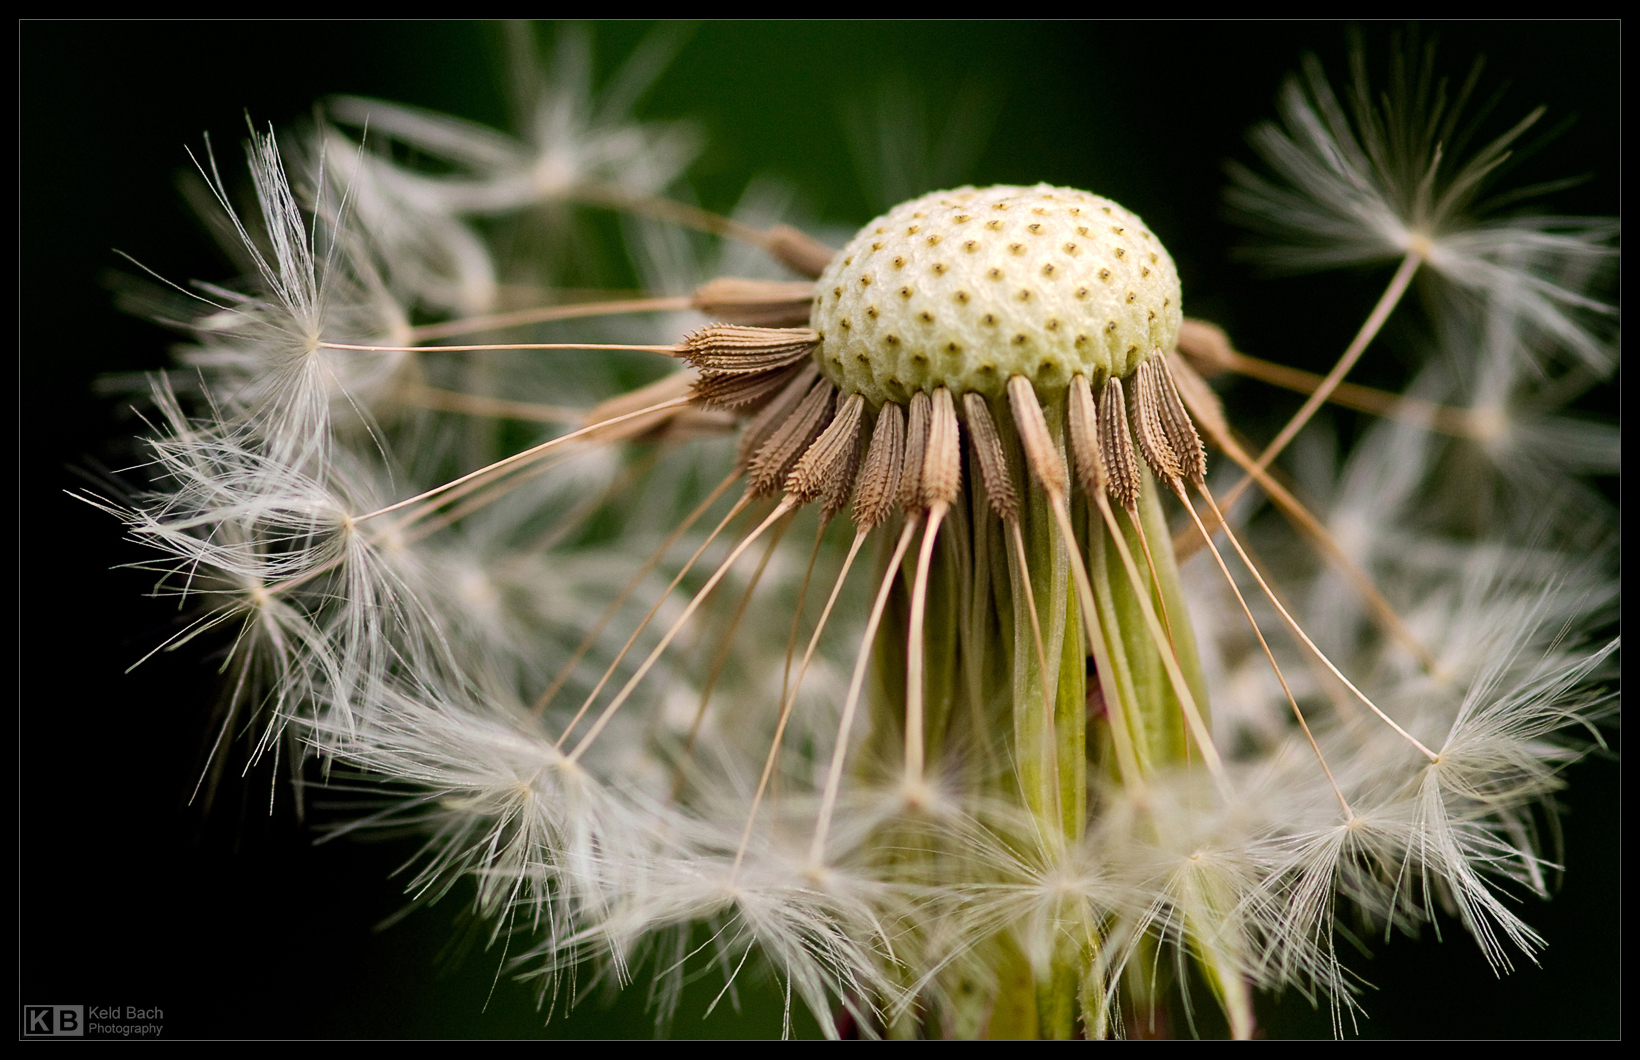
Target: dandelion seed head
column 1012, row 792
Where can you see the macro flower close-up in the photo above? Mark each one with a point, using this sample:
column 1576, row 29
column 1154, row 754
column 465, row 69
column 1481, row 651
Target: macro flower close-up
column 742, row 530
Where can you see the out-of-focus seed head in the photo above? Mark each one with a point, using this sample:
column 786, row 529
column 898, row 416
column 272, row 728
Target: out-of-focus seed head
column 966, row 288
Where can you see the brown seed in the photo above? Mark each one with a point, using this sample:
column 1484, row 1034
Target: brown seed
column 993, row 461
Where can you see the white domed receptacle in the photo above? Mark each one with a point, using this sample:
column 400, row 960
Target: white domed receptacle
column 967, row 288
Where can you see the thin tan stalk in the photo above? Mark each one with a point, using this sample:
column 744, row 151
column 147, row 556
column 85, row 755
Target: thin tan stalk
column 518, row 458
column 1204, row 408
column 834, row 776
column 721, row 658
column 788, row 698
column 1178, row 490
column 1209, row 346
column 1298, row 631
column 482, row 346
column 785, row 506
column 546, row 314
column 1380, row 313
column 632, row 638
column 914, row 651
column 631, row 586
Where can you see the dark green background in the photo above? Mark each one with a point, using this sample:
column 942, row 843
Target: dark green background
column 232, row 920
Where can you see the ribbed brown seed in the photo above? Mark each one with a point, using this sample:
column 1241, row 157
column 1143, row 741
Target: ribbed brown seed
column 942, row 463
column 790, row 440
column 730, row 349
column 765, row 423
column 1147, row 425
column 1200, row 401
column 798, row 251
column 1181, row 430
column 880, row 474
column 1116, row 447
column 992, row 460
column 1084, row 436
column 759, row 303
column 916, row 447
column 743, row 392
column 812, row 474
column 741, row 365
column 840, row 482
column 1041, row 454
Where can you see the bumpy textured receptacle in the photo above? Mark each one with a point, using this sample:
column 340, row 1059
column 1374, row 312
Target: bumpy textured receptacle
column 966, row 288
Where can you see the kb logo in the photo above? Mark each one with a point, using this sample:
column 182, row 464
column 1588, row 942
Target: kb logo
column 53, row 1021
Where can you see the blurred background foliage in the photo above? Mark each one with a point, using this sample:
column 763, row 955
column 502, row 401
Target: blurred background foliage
column 232, row 919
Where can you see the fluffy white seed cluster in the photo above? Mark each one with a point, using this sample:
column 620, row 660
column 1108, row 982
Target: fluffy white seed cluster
column 968, row 288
